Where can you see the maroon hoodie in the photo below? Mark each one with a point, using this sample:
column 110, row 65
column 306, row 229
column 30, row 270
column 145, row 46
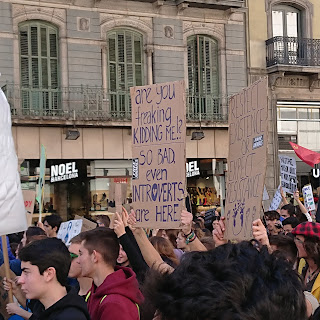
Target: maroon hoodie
column 117, row 298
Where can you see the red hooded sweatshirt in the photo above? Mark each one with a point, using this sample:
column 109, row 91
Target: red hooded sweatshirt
column 117, row 298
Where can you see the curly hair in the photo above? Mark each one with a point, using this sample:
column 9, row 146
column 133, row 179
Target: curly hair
column 232, row 282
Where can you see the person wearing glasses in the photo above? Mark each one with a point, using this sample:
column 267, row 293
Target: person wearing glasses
column 307, row 240
column 84, row 283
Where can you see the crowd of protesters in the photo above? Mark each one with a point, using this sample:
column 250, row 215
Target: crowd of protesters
column 120, row 271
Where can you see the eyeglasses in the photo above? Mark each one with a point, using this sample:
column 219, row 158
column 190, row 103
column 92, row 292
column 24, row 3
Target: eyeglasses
column 73, row 255
column 298, row 240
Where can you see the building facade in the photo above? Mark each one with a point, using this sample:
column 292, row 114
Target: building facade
column 67, row 66
column 283, row 43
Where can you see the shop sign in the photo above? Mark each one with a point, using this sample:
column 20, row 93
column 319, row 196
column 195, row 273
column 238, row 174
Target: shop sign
column 316, row 173
column 192, row 169
column 63, row 171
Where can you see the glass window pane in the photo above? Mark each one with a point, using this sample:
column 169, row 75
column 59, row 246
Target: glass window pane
column 292, row 24
column 277, row 23
column 288, row 113
column 303, row 113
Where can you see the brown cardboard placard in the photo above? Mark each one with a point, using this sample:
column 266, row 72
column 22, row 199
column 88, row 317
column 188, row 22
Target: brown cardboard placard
column 86, row 224
column 3, row 293
column 118, row 198
column 158, row 153
column 247, row 161
column 29, row 197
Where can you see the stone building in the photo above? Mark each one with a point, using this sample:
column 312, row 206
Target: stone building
column 283, row 43
column 67, row 66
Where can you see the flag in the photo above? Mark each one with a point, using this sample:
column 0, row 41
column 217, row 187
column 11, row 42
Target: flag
column 12, row 210
column 309, row 157
column 39, row 198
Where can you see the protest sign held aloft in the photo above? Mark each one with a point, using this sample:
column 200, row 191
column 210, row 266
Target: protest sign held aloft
column 158, row 152
column 248, row 139
column 288, row 174
column 12, row 210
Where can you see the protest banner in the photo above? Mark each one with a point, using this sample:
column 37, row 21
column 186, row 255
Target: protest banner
column 12, row 210
column 29, row 200
column 86, row 224
column 276, row 200
column 288, row 174
column 68, row 230
column 308, row 198
column 41, row 181
column 248, row 139
column 158, row 153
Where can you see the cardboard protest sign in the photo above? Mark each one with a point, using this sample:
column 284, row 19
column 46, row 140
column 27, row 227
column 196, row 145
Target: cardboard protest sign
column 118, row 198
column 12, row 210
column 29, row 199
column 308, row 198
column 86, row 224
column 4, row 298
column 248, row 139
column 288, row 174
column 276, row 200
column 68, row 230
column 158, row 153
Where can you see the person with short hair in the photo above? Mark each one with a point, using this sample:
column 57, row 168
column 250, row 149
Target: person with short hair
column 273, row 222
column 115, row 293
column 45, row 265
column 289, row 224
column 287, row 211
column 51, row 225
column 103, row 220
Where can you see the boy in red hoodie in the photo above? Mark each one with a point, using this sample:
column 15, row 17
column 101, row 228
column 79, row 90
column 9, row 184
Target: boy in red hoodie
column 115, row 293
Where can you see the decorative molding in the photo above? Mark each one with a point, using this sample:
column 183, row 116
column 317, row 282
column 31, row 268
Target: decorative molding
column 273, row 78
column 278, row 80
column 109, row 22
column 314, row 81
column 305, row 4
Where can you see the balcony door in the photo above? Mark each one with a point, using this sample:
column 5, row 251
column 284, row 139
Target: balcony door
column 286, row 22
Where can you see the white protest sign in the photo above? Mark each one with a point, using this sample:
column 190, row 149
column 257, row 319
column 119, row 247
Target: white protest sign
column 265, row 195
column 276, row 200
column 288, row 174
column 12, row 210
column 158, row 154
column 308, row 198
column 68, row 230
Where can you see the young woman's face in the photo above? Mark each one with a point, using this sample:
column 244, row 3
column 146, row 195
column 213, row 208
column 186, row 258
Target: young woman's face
column 181, row 241
column 299, row 241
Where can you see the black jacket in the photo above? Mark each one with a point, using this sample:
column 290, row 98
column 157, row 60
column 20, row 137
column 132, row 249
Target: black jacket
column 70, row 307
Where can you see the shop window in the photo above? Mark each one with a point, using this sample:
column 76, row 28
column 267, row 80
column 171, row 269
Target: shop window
column 125, row 69
column 203, row 77
column 39, row 67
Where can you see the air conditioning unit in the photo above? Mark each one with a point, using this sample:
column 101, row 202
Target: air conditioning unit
column 284, row 139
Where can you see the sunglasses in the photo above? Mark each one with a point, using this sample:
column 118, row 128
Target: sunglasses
column 73, row 255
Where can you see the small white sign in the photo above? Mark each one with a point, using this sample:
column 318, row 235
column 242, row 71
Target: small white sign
column 63, row 171
column 68, row 230
column 276, row 200
column 308, row 198
column 265, row 194
column 192, row 169
column 288, row 174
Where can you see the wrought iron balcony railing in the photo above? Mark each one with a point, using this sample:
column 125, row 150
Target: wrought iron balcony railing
column 293, row 51
column 94, row 103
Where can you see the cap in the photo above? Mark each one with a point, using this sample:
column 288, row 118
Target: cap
column 307, row 229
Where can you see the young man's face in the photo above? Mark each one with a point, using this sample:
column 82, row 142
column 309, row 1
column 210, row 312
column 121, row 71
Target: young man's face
column 32, row 283
column 271, row 222
column 86, row 261
column 284, row 214
column 287, row 228
column 75, row 268
column 50, row 232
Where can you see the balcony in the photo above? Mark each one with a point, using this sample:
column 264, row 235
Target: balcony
column 293, row 54
column 85, row 104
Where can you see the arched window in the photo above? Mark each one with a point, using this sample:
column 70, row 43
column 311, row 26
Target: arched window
column 286, row 21
column 203, row 78
column 39, row 63
column 125, row 69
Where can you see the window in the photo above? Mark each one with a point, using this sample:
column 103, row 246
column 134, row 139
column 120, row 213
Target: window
column 203, row 78
column 125, row 69
column 39, row 65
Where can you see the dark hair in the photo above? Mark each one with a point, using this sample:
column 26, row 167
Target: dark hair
column 290, row 208
column 104, row 241
column 49, row 252
column 34, row 231
column 104, row 219
column 165, row 249
column 285, row 246
column 234, row 281
column 53, row 221
column 312, row 247
column 291, row 220
column 272, row 214
column 208, row 242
